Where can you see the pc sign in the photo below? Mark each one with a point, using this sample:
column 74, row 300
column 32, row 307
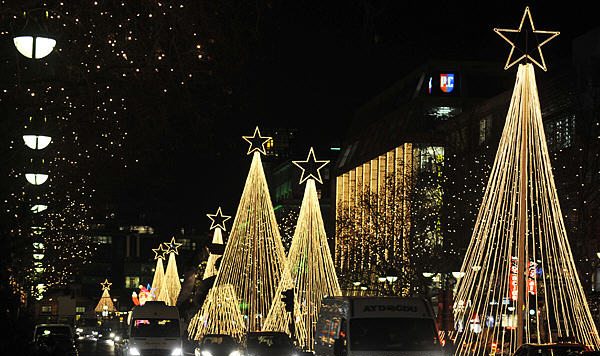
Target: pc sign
column 447, row 82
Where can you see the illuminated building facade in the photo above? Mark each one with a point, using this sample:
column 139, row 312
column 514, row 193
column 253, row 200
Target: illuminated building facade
column 394, row 152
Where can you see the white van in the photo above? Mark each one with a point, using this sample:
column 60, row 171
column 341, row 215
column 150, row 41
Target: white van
column 376, row 326
column 154, row 329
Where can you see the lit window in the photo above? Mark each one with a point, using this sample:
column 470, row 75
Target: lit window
column 79, row 310
column 46, row 309
column 485, row 128
column 132, row 282
column 103, row 239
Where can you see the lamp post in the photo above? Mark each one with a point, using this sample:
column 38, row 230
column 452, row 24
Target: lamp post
column 34, row 40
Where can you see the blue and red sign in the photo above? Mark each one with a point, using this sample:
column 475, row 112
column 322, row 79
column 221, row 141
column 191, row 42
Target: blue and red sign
column 447, row 82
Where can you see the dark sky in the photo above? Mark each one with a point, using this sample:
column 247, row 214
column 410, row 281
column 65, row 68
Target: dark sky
column 306, row 65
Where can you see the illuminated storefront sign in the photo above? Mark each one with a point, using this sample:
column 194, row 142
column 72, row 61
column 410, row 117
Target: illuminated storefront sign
column 447, row 82
column 514, row 279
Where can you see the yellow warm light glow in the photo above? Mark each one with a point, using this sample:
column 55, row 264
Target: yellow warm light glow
column 159, row 271
column 105, row 303
column 311, row 167
column 171, row 285
column 211, row 269
column 525, row 52
column 218, row 220
column 520, row 217
column 36, row 178
column 252, row 262
column 309, row 271
column 30, row 46
column 257, row 142
column 36, row 142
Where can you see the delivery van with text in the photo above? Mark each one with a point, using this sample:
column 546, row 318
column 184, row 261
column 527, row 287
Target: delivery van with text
column 376, row 326
column 154, row 329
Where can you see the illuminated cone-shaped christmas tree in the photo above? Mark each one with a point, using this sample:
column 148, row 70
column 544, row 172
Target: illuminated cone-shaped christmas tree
column 254, row 256
column 228, row 321
column 217, row 223
column 520, row 283
column 105, row 304
column 309, row 270
column 159, row 271
column 171, row 286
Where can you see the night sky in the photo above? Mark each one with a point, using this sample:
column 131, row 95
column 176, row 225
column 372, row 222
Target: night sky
column 284, row 64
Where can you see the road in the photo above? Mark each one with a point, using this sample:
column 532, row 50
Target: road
column 100, row 348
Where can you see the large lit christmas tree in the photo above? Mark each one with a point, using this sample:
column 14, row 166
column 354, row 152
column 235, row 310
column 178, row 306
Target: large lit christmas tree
column 309, row 270
column 520, row 283
column 159, row 271
column 171, row 286
column 105, row 303
column 254, row 256
column 217, row 223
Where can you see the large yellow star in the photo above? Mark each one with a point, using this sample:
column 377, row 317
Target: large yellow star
column 525, row 52
column 159, row 252
column 106, row 285
column 218, row 220
column 310, row 167
column 257, row 142
column 172, row 246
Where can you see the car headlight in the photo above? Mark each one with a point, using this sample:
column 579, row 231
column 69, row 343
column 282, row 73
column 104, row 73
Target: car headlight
column 79, row 330
column 206, row 353
column 133, row 351
column 235, row 353
column 112, row 335
column 117, row 338
column 177, row 352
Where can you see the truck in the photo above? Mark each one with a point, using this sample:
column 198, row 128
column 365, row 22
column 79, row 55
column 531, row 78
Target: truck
column 154, row 329
column 376, row 326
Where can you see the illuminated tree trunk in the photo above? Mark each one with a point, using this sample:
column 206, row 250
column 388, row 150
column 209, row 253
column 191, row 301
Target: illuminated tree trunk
column 309, row 271
column 520, row 228
column 254, row 256
column 171, row 284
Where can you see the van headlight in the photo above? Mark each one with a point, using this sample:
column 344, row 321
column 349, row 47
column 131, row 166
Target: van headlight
column 177, row 352
column 205, row 353
column 133, row 351
column 235, row 353
column 79, row 330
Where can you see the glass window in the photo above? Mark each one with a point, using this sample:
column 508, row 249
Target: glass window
column 46, row 309
column 132, row 282
column 79, row 310
column 485, row 128
column 155, row 327
column 393, row 334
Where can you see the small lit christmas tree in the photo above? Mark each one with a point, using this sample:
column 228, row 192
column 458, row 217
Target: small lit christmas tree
column 171, row 286
column 309, row 270
column 159, row 270
column 228, row 321
column 105, row 304
column 217, row 223
column 254, row 256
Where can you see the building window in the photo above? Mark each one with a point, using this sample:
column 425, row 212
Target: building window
column 485, row 129
column 46, row 309
column 132, row 282
column 430, row 158
column 79, row 310
column 559, row 133
column 443, row 112
column 103, row 239
column 187, row 244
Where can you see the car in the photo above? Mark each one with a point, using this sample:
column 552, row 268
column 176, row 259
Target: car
column 217, row 345
column 552, row 349
column 55, row 344
column 269, row 343
column 53, row 329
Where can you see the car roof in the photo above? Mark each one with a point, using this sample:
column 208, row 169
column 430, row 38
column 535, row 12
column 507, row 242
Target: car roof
column 556, row 344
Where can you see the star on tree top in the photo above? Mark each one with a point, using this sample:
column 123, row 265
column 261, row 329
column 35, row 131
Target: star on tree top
column 218, row 220
column 257, row 142
column 525, row 54
column 310, row 167
column 172, row 246
column 106, row 285
column 159, row 252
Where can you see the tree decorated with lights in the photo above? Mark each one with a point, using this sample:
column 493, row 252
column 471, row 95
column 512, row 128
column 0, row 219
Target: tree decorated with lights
column 228, row 320
column 159, row 270
column 105, row 304
column 171, row 286
column 520, row 283
column 309, row 270
column 254, row 256
column 217, row 223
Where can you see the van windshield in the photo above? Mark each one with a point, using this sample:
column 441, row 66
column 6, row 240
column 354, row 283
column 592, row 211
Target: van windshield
column 155, row 328
column 393, row 334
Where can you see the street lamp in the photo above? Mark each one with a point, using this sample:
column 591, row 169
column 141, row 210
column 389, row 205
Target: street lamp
column 36, row 171
column 33, row 41
column 36, row 142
